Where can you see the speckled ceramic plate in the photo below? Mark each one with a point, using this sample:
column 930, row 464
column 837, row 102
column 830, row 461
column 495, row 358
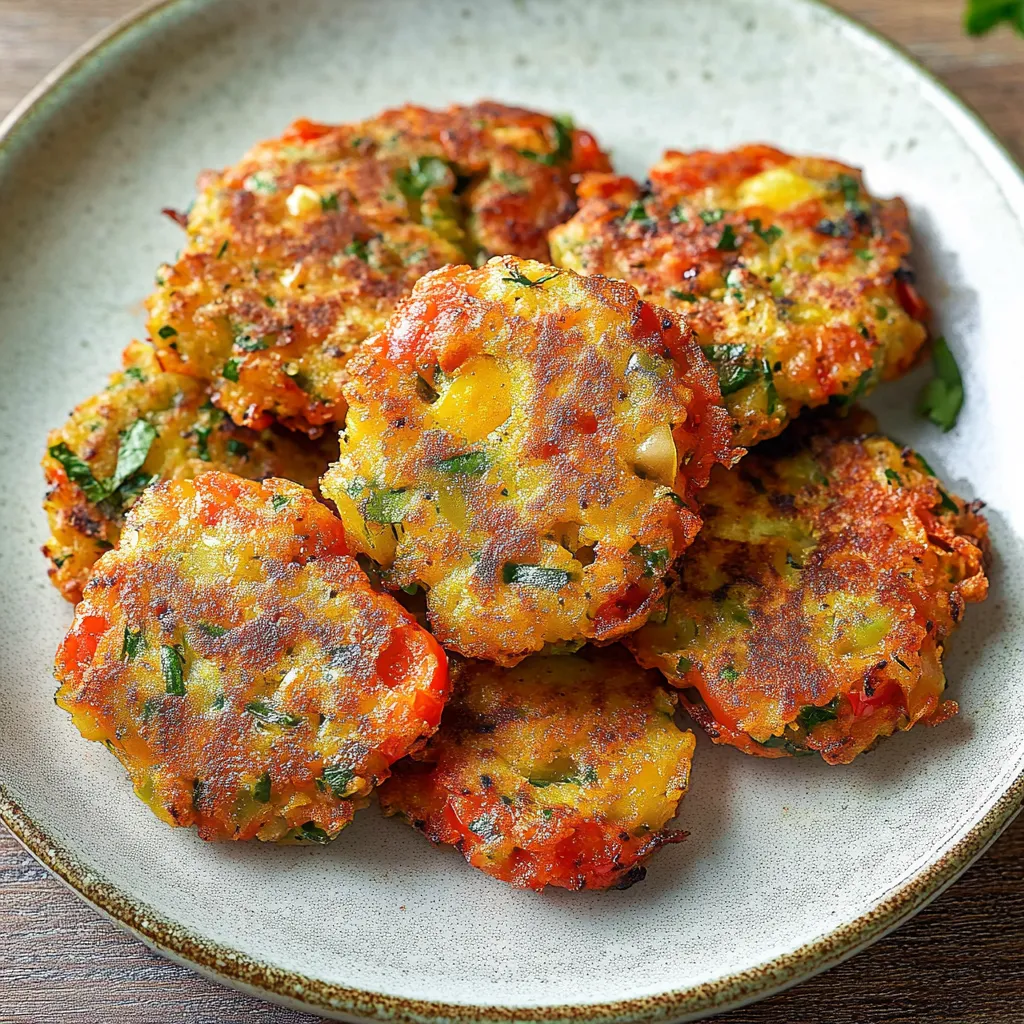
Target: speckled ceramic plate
column 791, row 865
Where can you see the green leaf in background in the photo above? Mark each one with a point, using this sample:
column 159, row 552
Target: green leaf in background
column 982, row 16
column 943, row 395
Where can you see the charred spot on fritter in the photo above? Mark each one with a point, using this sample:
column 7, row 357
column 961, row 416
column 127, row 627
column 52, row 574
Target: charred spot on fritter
column 818, row 623
column 561, row 771
column 299, row 252
column 147, row 425
column 233, row 656
column 524, row 444
column 793, row 276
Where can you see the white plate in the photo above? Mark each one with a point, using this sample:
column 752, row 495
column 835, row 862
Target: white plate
column 791, row 864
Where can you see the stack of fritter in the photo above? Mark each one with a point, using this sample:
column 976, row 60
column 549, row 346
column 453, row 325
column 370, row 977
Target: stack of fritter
column 542, row 453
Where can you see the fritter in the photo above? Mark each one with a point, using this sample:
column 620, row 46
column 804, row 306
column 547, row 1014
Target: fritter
column 299, row 252
column 811, row 613
column 147, row 425
column 793, row 276
column 238, row 663
column 561, row 771
column 525, row 443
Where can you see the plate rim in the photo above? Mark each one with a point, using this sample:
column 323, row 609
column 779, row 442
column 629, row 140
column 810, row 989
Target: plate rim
column 295, row 989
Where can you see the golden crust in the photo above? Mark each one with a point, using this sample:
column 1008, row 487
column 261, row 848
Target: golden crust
column 812, row 611
column 299, row 252
column 237, row 662
column 188, row 436
column 525, row 444
column 794, row 278
column 562, row 771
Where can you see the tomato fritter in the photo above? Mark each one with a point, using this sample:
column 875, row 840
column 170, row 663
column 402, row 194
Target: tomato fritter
column 300, row 251
column 811, row 613
column 238, row 663
column 561, row 771
column 147, row 425
column 525, row 443
column 794, row 278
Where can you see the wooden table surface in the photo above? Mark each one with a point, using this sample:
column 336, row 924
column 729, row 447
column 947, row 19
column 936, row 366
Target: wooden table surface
column 960, row 961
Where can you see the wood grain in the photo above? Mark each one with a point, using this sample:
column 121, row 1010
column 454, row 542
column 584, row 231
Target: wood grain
column 961, row 961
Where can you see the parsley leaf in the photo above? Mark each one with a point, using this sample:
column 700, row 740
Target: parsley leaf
column 267, row 715
column 387, row 507
column 470, row 464
column 943, row 396
column 516, row 276
column 338, row 777
column 261, row 791
column 423, row 173
column 132, row 644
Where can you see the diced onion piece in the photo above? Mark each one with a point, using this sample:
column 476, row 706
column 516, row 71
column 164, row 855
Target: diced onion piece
column 656, row 457
column 303, row 201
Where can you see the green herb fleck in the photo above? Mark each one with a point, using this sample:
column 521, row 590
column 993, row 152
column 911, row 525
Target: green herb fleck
column 728, row 242
column 172, row 668
column 767, row 235
column 711, row 216
column 278, row 501
column 516, row 276
column 230, row 371
column 212, row 629
column 637, row 212
column 470, row 464
column 943, row 396
column 236, row 447
column 678, row 214
column 729, row 674
column 132, row 644
column 683, row 296
column 167, row 331
column 485, row 827
column 358, row 248
column 264, row 713
column 223, row 248
column 338, row 777
column 946, row 503
column 893, row 477
column 312, row 833
column 423, row 173
column 655, row 559
column 387, row 507
column 329, row 202
column 683, row 665
column 261, row 791
column 810, row 716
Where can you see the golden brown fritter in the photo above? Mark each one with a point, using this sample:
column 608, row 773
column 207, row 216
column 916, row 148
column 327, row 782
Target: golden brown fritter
column 300, row 251
column 811, row 613
column 237, row 662
column 525, row 443
column 147, row 425
column 794, row 278
column 561, row 771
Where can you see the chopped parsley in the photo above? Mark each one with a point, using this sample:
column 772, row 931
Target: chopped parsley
column 893, row 477
column 733, row 368
column 729, row 674
column 212, row 629
column 278, row 501
column 810, row 716
column 678, row 214
column 728, row 242
column 338, row 777
column 358, row 248
column 223, row 248
column 683, row 296
column 485, row 827
column 711, row 216
column 470, row 464
column 767, row 235
column 516, row 276
column 637, row 212
column 562, row 153
column 132, row 644
column 943, row 396
column 655, row 559
column 230, row 371
column 236, row 447
column 125, row 483
column 329, row 202
column 387, row 507
column 423, row 173
column 683, row 665
column 267, row 715
column 167, row 331
column 261, row 791
column 313, row 833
